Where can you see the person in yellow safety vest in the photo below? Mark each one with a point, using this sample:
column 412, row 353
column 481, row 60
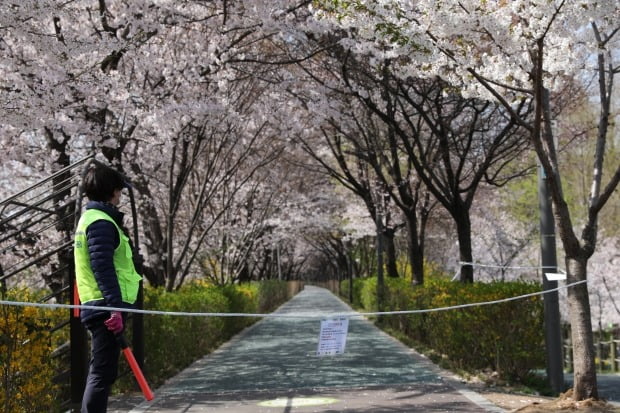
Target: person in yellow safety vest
column 105, row 277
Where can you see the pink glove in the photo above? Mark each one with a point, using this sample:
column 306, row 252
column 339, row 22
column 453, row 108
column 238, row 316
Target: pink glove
column 115, row 322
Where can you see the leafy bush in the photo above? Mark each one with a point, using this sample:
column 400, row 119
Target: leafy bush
column 241, row 299
column 271, row 294
column 368, row 294
column 358, row 284
column 167, row 337
column 507, row 337
column 25, row 347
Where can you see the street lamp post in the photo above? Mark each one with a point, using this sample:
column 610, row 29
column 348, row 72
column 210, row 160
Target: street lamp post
column 553, row 332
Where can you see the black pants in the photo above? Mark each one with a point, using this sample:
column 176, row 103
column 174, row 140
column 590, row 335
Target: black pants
column 103, row 369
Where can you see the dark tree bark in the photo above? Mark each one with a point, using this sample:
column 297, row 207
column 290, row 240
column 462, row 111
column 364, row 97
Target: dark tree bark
column 61, row 273
column 454, row 144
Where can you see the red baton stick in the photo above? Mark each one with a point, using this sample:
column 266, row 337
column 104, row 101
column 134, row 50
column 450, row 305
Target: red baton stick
column 135, row 368
column 76, row 300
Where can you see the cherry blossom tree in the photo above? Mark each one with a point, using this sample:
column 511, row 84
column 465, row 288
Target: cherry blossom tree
column 168, row 92
column 405, row 130
column 505, row 247
column 454, row 144
column 372, row 141
column 509, row 51
column 358, row 176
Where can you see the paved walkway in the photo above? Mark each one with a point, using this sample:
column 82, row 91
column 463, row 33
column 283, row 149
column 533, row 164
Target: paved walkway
column 272, row 367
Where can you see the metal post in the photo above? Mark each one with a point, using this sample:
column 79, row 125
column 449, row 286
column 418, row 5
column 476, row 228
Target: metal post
column 137, row 340
column 380, row 292
column 138, row 319
column 278, row 260
column 599, row 354
column 553, row 333
column 350, row 274
column 78, row 355
column 570, row 354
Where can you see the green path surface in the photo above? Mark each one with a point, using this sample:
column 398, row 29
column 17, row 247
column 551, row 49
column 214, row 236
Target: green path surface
column 275, row 361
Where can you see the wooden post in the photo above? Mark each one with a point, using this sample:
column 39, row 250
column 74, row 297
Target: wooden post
column 568, row 353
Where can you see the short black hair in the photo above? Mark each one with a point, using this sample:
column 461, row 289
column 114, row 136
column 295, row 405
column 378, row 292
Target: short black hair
column 101, row 181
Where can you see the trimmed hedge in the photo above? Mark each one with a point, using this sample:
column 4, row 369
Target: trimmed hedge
column 272, row 294
column 507, row 337
column 173, row 342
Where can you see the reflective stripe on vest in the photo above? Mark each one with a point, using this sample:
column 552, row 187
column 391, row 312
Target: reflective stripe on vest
column 128, row 278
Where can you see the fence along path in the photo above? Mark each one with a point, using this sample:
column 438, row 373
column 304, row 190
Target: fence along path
column 275, row 359
column 607, row 350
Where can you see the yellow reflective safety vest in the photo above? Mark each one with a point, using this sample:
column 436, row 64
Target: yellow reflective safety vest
column 128, row 278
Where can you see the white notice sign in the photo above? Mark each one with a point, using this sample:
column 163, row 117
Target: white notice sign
column 555, row 276
column 333, row 336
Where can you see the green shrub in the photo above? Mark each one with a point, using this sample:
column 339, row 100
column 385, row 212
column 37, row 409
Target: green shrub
column 241, row 299
column 271, row 294
column 167, row 335
column 25, row 347
column 368, row 294
column 507, row 337
column 358, row 285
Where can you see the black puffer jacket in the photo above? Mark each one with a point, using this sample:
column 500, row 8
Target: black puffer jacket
column 103, row 239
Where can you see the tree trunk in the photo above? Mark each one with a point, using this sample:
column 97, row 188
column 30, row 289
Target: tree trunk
column 463, row 229
column 415, row 250
column 380, row 280
column 245, row 275
column 62, row 273
column 585, row 383
column 390, row 253
column 153, row 269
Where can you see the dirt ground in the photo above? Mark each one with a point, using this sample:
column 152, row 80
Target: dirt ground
column 525, row 403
